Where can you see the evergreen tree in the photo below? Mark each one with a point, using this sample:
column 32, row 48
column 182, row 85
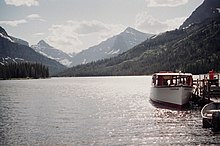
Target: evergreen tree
column 23, row 70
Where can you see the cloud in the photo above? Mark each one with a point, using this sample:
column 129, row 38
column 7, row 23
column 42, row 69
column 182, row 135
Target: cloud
column 63, row 37
column 74, row 36
column 166, row 3
column 38, row 34
column 175, row 22
column 148, row 23
column 14, row 23
column 88, row 27
column 35, row 17
column 22, row 2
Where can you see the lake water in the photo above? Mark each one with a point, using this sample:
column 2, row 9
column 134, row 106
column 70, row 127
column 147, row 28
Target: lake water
column 93, row 111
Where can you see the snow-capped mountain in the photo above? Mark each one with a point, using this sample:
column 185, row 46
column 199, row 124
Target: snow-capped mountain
column 14, row 50
column 111, row 47
column 208, row 9
column 45, row 49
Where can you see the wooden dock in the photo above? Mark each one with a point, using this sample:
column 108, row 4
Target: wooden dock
column 207, row 87
column 207, row 95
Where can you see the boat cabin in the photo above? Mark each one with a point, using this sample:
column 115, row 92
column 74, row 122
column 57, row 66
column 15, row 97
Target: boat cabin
column 172, row 79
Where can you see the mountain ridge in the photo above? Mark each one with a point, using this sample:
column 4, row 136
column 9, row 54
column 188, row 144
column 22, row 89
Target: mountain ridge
column 111, row 47
column 208, row 9
column 13, row 52
column 4, row 34
column 47, row 50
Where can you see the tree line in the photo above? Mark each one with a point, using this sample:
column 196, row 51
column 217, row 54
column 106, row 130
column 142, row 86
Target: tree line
column 23, row 70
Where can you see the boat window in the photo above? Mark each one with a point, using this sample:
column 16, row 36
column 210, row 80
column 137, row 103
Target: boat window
column 184, row 80
column 189, row 80
column 160, row 81
column 172, row 80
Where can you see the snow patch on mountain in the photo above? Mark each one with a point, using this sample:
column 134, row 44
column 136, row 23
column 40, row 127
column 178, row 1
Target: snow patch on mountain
column 41, row 52
column 50, row 52
column 6, row 37
column 84, row 61
column 21, row 59
column 114, row 52
column 187, row 26
column 66, row 62
column 6, row 60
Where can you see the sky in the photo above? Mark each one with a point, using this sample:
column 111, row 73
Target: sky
column 76, row 25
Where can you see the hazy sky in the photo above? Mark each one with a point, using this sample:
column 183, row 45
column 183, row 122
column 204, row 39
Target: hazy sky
column 74, row 25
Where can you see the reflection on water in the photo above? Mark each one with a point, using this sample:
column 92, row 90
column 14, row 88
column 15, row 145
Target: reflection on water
column 93, row 111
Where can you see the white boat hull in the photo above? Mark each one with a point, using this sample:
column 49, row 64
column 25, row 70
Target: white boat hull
column 176, row 96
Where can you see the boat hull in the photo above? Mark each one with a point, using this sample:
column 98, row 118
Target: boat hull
column 175, row 97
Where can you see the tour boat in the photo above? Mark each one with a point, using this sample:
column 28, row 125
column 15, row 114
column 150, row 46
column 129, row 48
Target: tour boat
column 211, row 116
column 171, row 89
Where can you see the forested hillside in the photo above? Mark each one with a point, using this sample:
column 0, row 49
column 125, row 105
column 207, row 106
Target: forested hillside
column 195, row 49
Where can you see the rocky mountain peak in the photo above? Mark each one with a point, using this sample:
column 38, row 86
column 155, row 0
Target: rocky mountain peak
column 129, row 29
column 43, row 43
column 45, row 49
column 2, row 31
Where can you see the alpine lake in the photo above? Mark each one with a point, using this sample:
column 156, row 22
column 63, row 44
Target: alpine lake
column 93, row 111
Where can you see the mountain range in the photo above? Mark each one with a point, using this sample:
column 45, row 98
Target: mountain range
column 106, row 49
column 192, row 48
column 13, row 50
column 111, row 47
column 44, row 53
